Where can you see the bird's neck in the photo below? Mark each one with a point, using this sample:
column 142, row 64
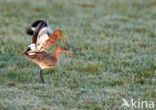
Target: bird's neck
column 56, row 54
column 54, row 38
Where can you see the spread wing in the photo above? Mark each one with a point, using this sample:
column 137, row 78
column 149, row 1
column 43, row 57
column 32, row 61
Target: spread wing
column 38, row 28
column 32, row 28
column 49, row 30
column 42, row 38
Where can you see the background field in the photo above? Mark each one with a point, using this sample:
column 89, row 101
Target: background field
column 116, row 43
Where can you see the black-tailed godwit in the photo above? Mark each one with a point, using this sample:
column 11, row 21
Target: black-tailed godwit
column 42, row 39
column 46, row 60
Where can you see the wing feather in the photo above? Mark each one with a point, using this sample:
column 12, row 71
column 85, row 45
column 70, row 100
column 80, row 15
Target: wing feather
column 31, row 29
column 34, row 38
column 42, row 38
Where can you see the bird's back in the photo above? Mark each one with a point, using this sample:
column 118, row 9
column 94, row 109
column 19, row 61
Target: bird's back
column 43, row 59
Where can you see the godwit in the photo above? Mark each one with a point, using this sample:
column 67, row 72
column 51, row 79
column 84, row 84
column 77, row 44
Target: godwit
column 42, row 39
column 46, row 60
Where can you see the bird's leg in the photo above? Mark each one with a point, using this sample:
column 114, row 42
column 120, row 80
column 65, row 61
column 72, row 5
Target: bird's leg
column 42, row 80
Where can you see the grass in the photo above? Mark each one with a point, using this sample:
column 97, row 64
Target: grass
column 116, row 43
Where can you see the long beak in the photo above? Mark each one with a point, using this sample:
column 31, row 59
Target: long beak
column 64, row 41
column 69, row 52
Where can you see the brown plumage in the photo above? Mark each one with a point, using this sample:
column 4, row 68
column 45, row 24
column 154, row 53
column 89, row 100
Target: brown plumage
column 43, row 39
column 46, row 60
column 50, row 41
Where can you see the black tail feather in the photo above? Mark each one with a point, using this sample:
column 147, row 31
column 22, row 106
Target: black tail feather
column 26, row 51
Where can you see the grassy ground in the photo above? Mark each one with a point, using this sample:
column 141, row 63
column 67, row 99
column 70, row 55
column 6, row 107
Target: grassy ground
column 116, row 42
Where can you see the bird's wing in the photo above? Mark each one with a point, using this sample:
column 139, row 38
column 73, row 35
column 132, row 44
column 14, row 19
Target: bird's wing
column 37, row 30
column 49, row 30
column 32, row 28
column 42, row 38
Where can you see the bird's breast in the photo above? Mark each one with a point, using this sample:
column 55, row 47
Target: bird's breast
column 48, row 44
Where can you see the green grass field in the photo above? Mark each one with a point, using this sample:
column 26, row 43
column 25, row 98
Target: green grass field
column 116, row 43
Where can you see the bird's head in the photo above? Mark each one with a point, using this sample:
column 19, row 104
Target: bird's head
column 60, row 50
column 59, row 34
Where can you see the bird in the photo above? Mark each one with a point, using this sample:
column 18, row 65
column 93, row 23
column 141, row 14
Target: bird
column 46, row 60
column 42, row 38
